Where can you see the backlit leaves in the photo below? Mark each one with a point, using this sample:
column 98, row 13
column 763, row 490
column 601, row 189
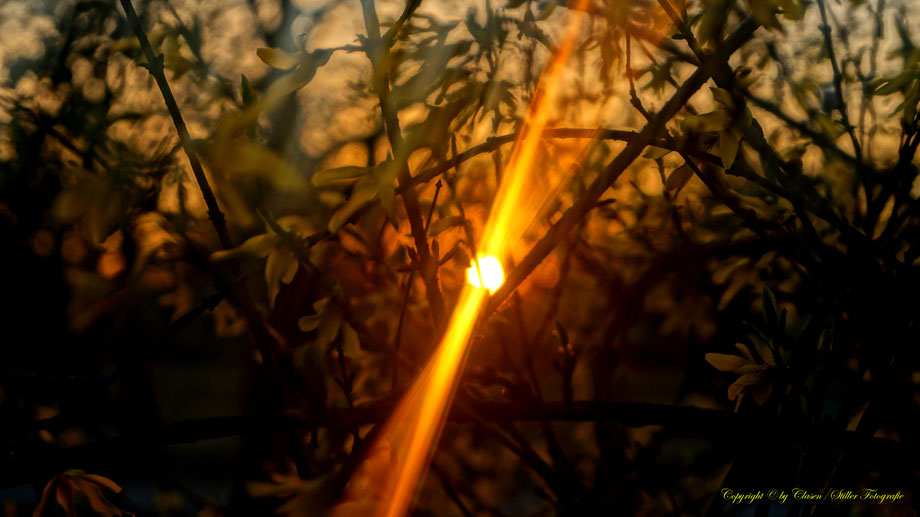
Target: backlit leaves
column 280, row 268
column 296, row 78
column 729, row 141
column 443, row 224
column 328, row 322
column 246, row 159
column 283, row 259
column 364, row 191
column 755, row 375
column 713, row 121
column 280, row 59
column 68, row 485
column 100, row 204
column 339, row 175
column 679, row 177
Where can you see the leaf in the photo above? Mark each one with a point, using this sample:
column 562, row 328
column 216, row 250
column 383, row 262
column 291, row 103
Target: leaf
column 769, row 307
column 707, row 122
column 302, row 75
column 892, row 85
column 247, row 93
column 445, row 223
column 280, row 268
column 750, row 367
column 351, row 345
column 309, row 322
column 762, row 393
column 338, row 175
column 363, row 192
column 765, row 353
column 298, row 224
column 105, row 213
column 257, row 246
column 385, row 176
column 247, row 159
column 329, row 326
column 312, row 321
column 725, row 362
column 654, row 153
column 757, row 378
column 67, row 484
column 722, row 96
column 102, row 481
column 745, row 351
column 729, row 142
column 277, row 92
column 69, row 205
column 355, row 509
column 279, row 58
column 679, row 177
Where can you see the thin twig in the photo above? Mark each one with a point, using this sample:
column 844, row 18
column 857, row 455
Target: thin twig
column 649, row 134
column 405, row 303
column 378, row 51
column 838, row 81
column 241, row 296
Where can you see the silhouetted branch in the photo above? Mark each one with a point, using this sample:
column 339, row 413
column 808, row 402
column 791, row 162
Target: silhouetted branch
column 647, row 136
column 241, row 295
column 378, row 50
column 838, row 80
column 677, row 420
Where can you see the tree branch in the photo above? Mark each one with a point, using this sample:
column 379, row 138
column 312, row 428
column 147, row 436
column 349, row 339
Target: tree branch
column 647, row 136
column 679, row 420
column 378, row 51
column 240, row 295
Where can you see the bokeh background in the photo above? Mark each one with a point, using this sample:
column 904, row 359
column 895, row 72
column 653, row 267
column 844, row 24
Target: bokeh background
column 138, row 354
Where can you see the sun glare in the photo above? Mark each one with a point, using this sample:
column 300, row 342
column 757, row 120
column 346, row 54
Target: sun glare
column 415, row 424
column 490, row 269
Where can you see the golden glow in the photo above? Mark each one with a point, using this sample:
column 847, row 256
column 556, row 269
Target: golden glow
column 489, row 270
column 396, row 464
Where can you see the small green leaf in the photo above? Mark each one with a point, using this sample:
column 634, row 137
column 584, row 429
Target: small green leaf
column 443, row 224
column 707, row 122
column 654, row 153
column 247, row 159
column 725, row 362
column 729, row 143
column 722, row 96
column 280, row 268
column 329, row 326
column 679, row 177
column 312, row 321
column 279, row 58
column 351, row 345
column 338, row 175
column 363, row 192
column 892, row 85
column 257, row 246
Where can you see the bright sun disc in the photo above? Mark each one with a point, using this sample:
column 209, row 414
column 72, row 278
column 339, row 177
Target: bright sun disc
column 491, row 270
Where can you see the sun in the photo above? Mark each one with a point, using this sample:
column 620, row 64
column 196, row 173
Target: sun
column 490, row 270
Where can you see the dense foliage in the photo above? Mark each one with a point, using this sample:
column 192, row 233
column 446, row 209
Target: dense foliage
column 209, row 303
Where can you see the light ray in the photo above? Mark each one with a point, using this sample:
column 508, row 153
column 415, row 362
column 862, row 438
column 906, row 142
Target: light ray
column 411, row 432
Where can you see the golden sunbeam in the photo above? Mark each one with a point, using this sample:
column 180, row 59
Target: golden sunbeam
column 487, row 272
column 408, row 438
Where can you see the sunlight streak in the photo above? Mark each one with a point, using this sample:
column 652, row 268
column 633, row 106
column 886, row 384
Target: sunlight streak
column 401, row 455
column 487, row 270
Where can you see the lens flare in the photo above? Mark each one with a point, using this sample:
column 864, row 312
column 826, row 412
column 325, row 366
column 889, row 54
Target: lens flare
column 489, row 270
column 406, row 441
